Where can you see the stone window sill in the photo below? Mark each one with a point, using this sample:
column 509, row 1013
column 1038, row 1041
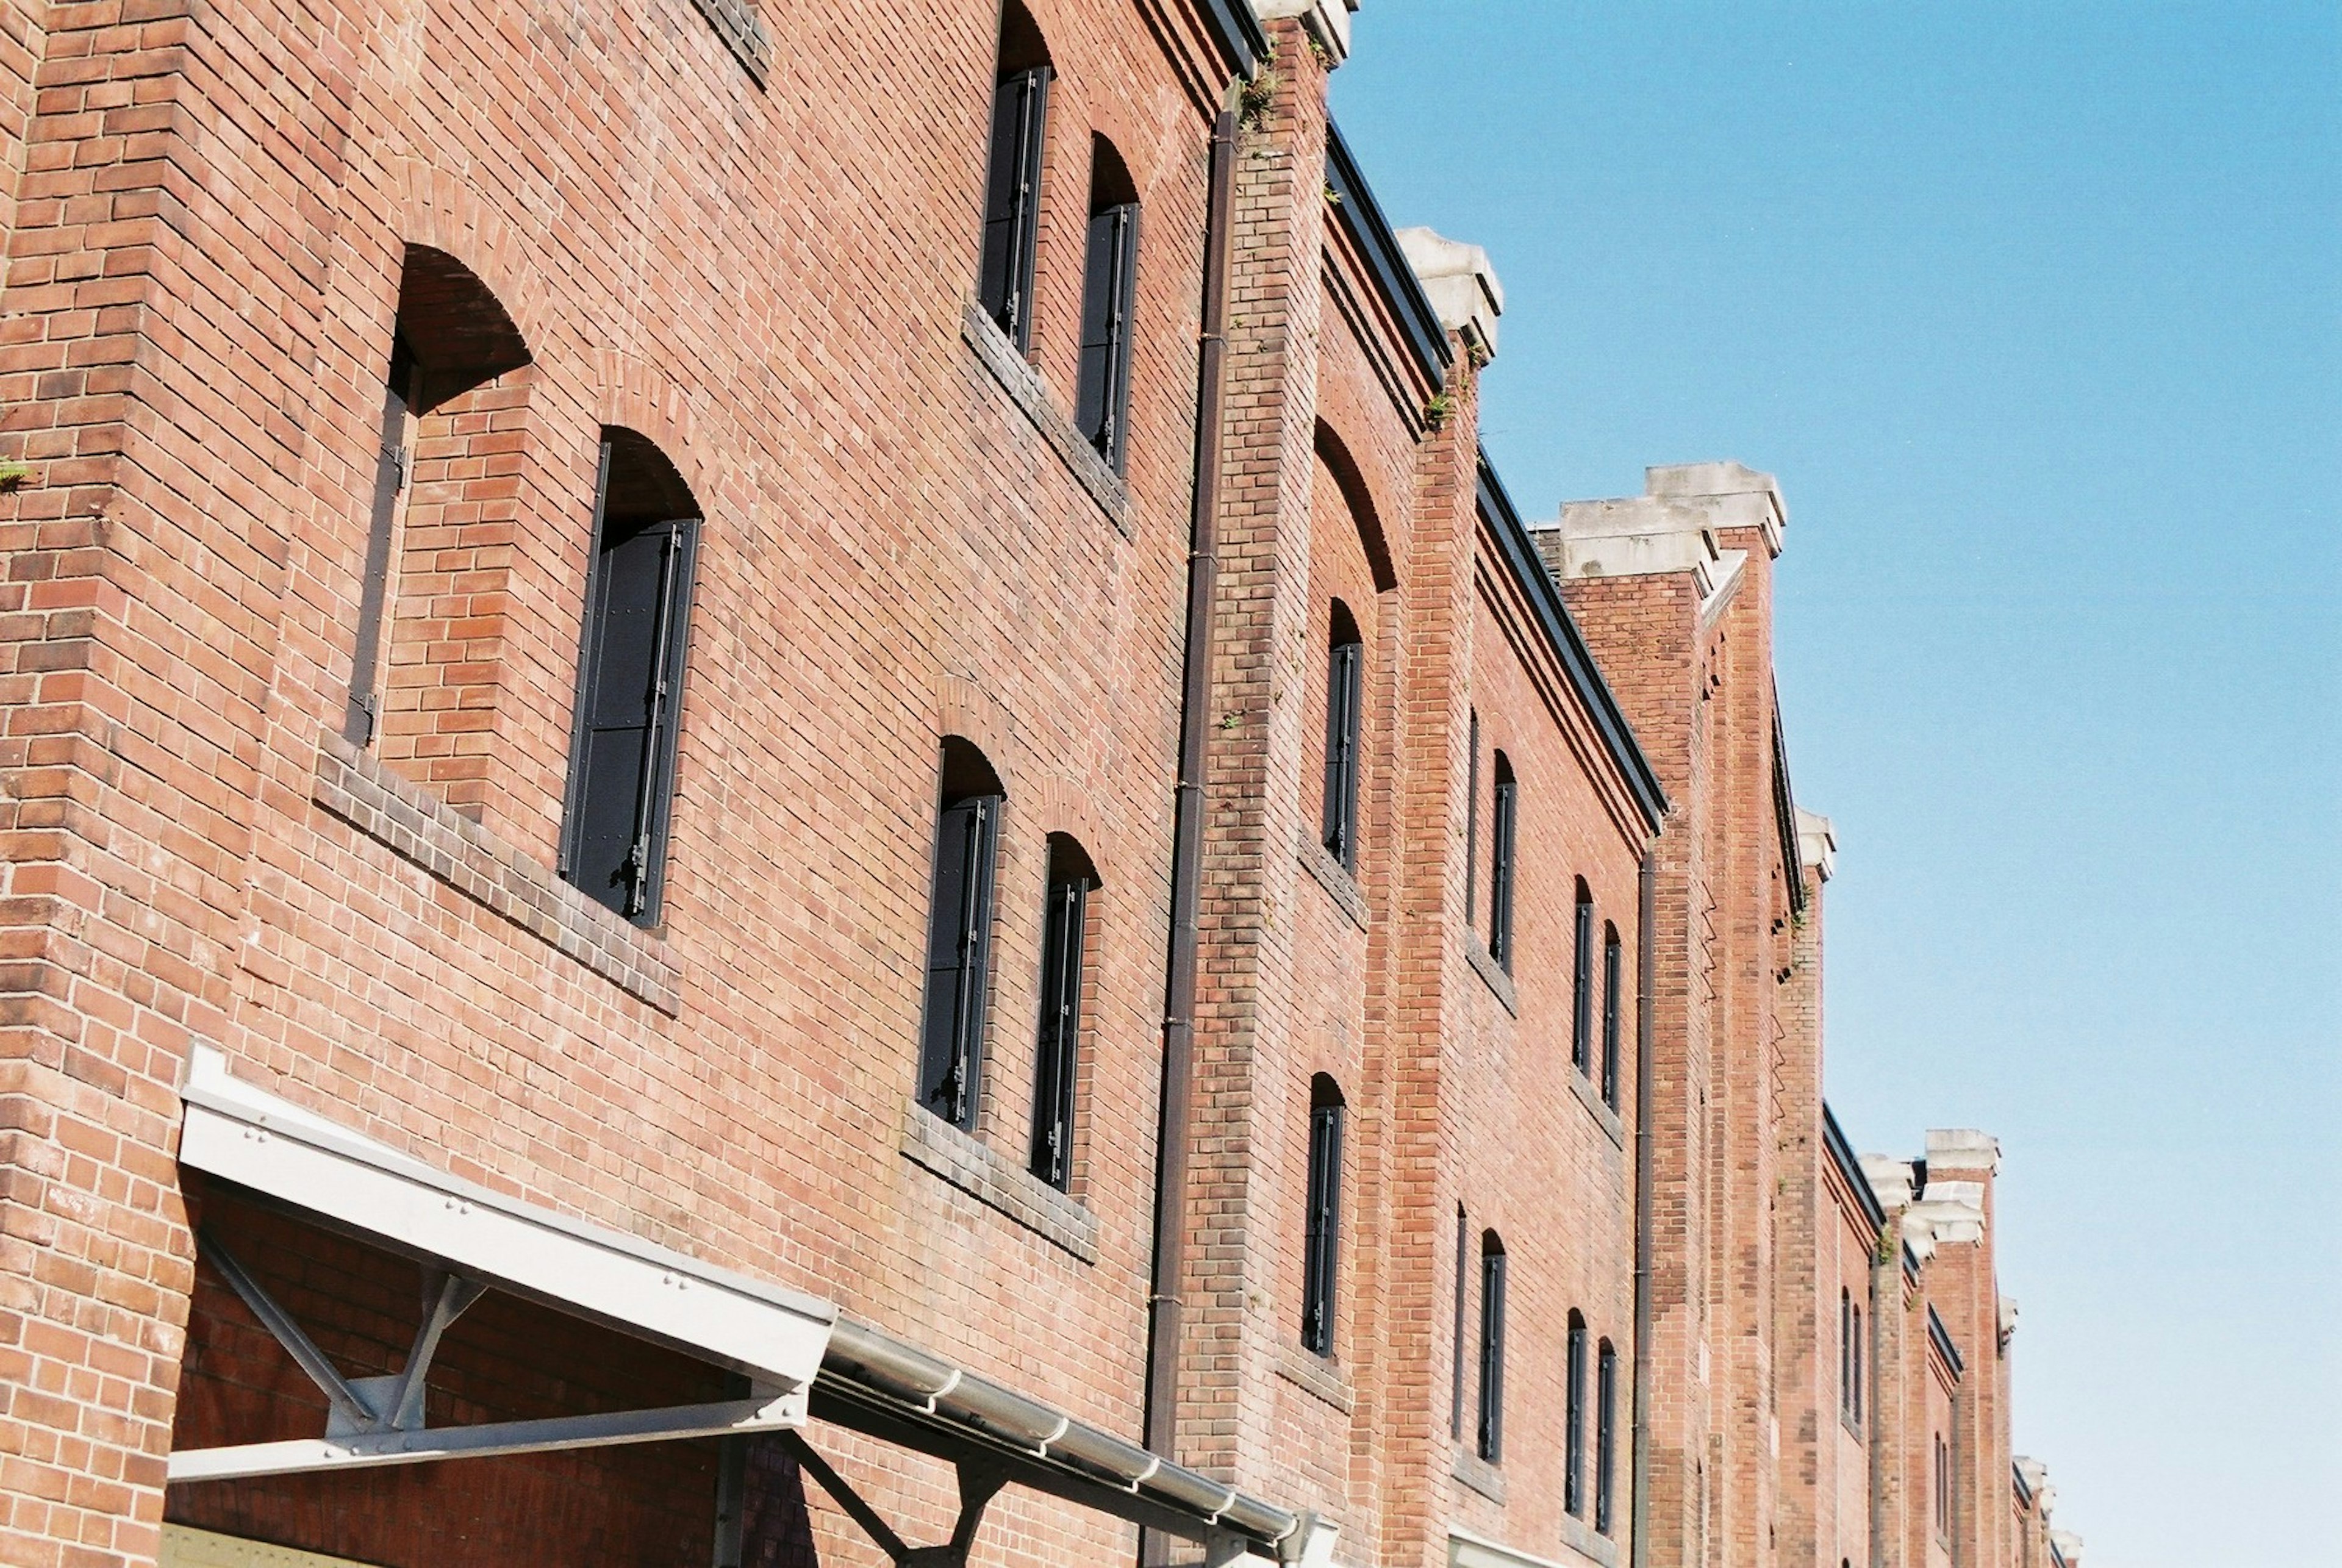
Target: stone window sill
column 1316, row 1375
column 1334, row 878
column 1485, row 963
column 1024, row 387
column 743, row 32
column 1583, row 1539
column 354, row 785
column 974, row 1167
column 1852, row 1427
column 1604, row 1116
column 1481, row 1476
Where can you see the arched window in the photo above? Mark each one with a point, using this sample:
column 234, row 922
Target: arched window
column 1012, row 182
column 1500, row 865
column 1492, row 1347
column 959, row 934
column 1109, row 291
column 1610, row 1007
column 1606, row 1410
column 1321, row 1252
column 1345, row 693
column 630, row 678
column 1573, row 1472
column 1581, row 984
column 1065, row 919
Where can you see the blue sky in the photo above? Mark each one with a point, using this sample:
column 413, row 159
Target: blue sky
column 2034, row 310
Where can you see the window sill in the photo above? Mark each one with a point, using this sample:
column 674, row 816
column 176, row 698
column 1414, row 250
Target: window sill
column 354, row 785
column 1583, row 1539
column 1334, row 878
column 1481, row 1475
column 1317, row 1375
column 1604, row 1116
column 974, row 1167
column 743, row 32
column 1852, row 1427
column 1489, row 970
column 1008, row 367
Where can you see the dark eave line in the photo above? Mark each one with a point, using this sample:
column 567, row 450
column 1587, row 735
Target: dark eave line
column 1362, row 219
column 1841, row 1154
column 1942, row 1338
column 1785, row 811
column 1238, row 33
column 1585, row 676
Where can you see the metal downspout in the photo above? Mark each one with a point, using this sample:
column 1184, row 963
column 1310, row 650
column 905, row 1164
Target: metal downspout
column 1174, row 1132
column 1640, row 1440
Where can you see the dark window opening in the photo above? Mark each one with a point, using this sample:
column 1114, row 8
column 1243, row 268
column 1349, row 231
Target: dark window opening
column 622, row 757
column 1606, row 1409
column 1472, row 820
column 1572, row 1473
column 1110, row 294
column 1501, row 866
column 1492, row 1347
column 1057, row 1074
column 1857, row 1348
column 1344, row 691
column 1322, row 1248
column 1012, row 184
column 959, row 936
column 450, row 336
column 1611, row 975
column 1581, row 984
column 1845, row 1352
column 1463, row 1275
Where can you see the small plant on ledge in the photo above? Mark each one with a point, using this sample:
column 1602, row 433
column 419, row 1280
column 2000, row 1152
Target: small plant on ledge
column 13, row 473
column 1435, row 412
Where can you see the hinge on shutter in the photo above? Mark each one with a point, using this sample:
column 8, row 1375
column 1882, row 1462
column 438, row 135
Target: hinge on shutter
column 371, row 706
column 402, row 463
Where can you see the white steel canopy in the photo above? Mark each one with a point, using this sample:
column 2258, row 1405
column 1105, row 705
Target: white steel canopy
column 471, row 1239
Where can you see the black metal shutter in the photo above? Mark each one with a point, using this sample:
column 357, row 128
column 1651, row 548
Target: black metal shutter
column 622, row 772
column 1109, row 285
column 1500, row 881
column 1845, row 1352
column 1462, row 1262
column 363, row 719
column 1573, row 1472
column 1492, row 1355
column 1581, row 992
column 1610, row 974
column 1061, row 1023
column 1344, row 681
column 1606, row 1396
column 1011, row 203
column 959, row 954
column 1322, row 1248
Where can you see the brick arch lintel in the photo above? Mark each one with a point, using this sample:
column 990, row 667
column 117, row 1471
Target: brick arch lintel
column 436, row 208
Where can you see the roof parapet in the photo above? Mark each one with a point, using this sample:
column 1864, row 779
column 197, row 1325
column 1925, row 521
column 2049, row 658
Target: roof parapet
column 1327, row 21
column 1463, row 285
column 1891, row 1179
column 1963, row 1149
column 2068, row 1547
column 2008, row 1320
column 1817, row 843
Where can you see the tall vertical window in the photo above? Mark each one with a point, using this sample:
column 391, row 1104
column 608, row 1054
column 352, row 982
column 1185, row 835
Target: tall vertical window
column 1500, row 865
column 959, row 934
column 1573, row 1430
column 1492, row 1347
column 1845, row 1353
column 1606, row 1433
column 1109, row 287
column 1462, row 1279
column 1611, row 967
column 1064, row 916
column 622, row 749
column 1581, row 984
column 1472, row 820
column 1345, row 692
column 1012, row 184
column 1322, row 1251
column 1942, row 1487
column 1858, row 1351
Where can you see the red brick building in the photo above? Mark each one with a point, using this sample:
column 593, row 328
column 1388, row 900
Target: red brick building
column 770, row 800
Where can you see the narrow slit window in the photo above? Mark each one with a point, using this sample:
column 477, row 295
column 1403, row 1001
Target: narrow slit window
column 1012, row 185
column 1581, row 984
column 1472, row 820
column 1611, row 975
column 1109, row 290
column 1344, row 691
column 959, row 936
column 1573, row 1475
column 1057, row 1069
column 1321, row 1250
column 1500, row 865
column 1606, row 1409
column 1845, row 1352
column 630, row 679
column 1463, row 1282
column 1492, row 1348
column 1857, row 1348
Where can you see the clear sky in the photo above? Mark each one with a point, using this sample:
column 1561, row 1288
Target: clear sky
column 2034, row 311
